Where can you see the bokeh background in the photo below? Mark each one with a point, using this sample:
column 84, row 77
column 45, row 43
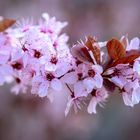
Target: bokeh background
column 25, row 117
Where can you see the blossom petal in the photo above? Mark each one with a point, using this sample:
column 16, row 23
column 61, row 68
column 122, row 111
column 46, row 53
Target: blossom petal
column 70, row 78
column 136, row 67
column 69, row 105
column 92, row 106
column 56, row 84
column 98, row 80
column 97, row 68
column 43, row 90
column 79, row 89
column 127, row 99
column 134, row 44
column 89, row 84
column 119, row 81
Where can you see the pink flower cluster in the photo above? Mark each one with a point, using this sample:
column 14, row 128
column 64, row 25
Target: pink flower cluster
column 126, row 76
column 37, row 57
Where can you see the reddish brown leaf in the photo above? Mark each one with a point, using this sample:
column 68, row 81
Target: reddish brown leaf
column 116, row 49
column 81, row 53
column 125, row 60
column 6, row 23
column 91, row 44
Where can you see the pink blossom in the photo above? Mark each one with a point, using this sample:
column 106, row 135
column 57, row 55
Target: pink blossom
column 50, row 25
column 84, row 79
column 120, row 74
column 131, row 94
column 43, row 81
column 127, row 78
column 5, row 53
column 76, row 102
column 99, row 98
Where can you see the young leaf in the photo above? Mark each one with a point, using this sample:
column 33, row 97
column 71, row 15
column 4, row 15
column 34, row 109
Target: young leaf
column 81, row 53
column 116, row 49
column 92, row 45
column 125, row 60
column 6, row 23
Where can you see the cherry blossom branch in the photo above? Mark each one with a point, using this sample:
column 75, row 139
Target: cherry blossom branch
column 37, row 57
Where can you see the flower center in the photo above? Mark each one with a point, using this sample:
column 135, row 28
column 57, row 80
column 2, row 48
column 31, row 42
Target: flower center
column 116, row 72
column 17, row 65
column 54, row 60
column 91, row 73
column 49, row 76
column 55, row 44
column 80, row 76
column 37, row 54
column 24, row 49
column 17, row 80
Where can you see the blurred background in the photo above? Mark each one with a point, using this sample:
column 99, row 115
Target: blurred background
column 26, row 117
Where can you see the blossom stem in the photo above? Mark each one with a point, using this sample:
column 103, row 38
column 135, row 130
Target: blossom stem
column 72, row 93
